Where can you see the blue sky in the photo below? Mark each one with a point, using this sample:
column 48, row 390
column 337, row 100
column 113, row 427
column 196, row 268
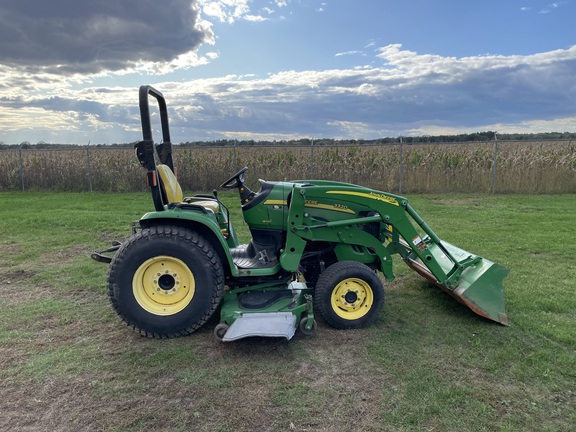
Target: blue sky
column 284, row 69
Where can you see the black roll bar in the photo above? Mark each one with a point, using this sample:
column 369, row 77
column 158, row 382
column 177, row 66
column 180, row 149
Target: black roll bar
column 164, row 150
column 145, row 91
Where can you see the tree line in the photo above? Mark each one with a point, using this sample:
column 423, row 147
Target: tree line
column 459, row 138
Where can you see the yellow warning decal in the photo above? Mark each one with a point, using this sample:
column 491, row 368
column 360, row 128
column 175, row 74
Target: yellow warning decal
column 275, row 202
column 371, row 195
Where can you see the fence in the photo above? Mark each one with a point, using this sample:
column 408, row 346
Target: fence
column 474, row 167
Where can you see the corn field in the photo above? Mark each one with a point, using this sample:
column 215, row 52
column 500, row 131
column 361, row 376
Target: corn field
column 542, row 167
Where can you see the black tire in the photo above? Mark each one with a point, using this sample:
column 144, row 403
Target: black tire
column 349, row 295
column 304, row 330
column 165, row 281
column 220, row 331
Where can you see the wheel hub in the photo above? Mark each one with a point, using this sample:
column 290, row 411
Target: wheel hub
column 163, row 285
column 352, row 298
column 167, row 282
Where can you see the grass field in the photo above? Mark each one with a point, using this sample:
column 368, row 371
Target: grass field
column 67, row 363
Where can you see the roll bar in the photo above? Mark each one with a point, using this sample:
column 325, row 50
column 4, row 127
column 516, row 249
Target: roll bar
column 146, row 91
column 164, row 150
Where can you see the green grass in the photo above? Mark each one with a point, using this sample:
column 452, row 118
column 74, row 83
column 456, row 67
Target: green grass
column 68, row 363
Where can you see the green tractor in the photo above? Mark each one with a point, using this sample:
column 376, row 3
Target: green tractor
column 316, row 247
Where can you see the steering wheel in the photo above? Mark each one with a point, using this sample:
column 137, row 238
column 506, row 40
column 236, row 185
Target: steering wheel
column 236, row 180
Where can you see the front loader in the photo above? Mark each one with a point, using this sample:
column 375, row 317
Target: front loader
column 316, row 247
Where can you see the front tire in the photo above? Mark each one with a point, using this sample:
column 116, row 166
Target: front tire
column 166, row 281
column 349, row 295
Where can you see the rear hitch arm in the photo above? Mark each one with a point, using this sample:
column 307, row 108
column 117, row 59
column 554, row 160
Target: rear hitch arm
column 100, row 257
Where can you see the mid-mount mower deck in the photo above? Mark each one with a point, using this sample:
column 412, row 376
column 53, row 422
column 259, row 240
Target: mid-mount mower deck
column 316, row 247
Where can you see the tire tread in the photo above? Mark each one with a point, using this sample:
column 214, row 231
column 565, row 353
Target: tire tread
column 150, row 235
column 326, row 284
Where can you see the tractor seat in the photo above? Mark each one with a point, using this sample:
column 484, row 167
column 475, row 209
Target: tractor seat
column 210, row 205
column 170, row 184
column 173, row 190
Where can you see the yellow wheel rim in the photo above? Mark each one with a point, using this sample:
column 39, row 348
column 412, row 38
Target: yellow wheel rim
column 352, row 298
column 163, row 285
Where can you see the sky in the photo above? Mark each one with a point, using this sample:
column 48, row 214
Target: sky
column 285, row 69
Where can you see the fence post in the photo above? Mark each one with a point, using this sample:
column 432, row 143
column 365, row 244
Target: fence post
column 400, row 169
column 21, row 167
column 312, row 159
column 89, row 168
column 494, row 164
column 235, row 144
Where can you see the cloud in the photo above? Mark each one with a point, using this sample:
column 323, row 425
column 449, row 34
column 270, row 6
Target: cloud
column 65, row 37
column 550, row 7
column 407, row 93
column 230, row 11
column 546, row 9
column 347, row 53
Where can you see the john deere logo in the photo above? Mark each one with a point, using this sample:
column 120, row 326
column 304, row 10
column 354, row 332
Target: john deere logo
column 371, row 195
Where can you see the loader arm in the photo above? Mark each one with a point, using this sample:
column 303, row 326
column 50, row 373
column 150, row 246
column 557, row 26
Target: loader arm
column 472, row 280
column 388, row 210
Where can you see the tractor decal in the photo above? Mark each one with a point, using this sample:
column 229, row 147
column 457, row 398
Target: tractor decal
column 312, row 204
column 335, row 207
column 371, row 195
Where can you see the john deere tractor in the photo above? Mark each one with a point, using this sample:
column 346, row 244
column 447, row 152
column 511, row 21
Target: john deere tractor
column 317, row 247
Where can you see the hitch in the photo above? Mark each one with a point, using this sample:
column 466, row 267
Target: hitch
column 100, row 257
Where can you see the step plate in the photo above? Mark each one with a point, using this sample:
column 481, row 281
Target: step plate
column 272, row 324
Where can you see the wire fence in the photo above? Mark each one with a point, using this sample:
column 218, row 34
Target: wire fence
column 530, row 167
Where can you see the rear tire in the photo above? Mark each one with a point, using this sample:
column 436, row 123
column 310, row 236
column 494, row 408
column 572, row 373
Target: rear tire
column 349, row 295
column 166, row 281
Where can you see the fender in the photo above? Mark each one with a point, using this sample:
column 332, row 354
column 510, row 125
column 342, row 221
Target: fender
column 198, row 218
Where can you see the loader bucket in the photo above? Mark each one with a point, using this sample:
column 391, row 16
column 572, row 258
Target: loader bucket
column 479, row 286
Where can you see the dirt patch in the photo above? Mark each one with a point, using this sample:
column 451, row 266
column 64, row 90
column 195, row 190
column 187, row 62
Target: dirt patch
column 66, row 255
column 17, row 276
column 59, row 405
column 19, row 290
column 108, row 237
